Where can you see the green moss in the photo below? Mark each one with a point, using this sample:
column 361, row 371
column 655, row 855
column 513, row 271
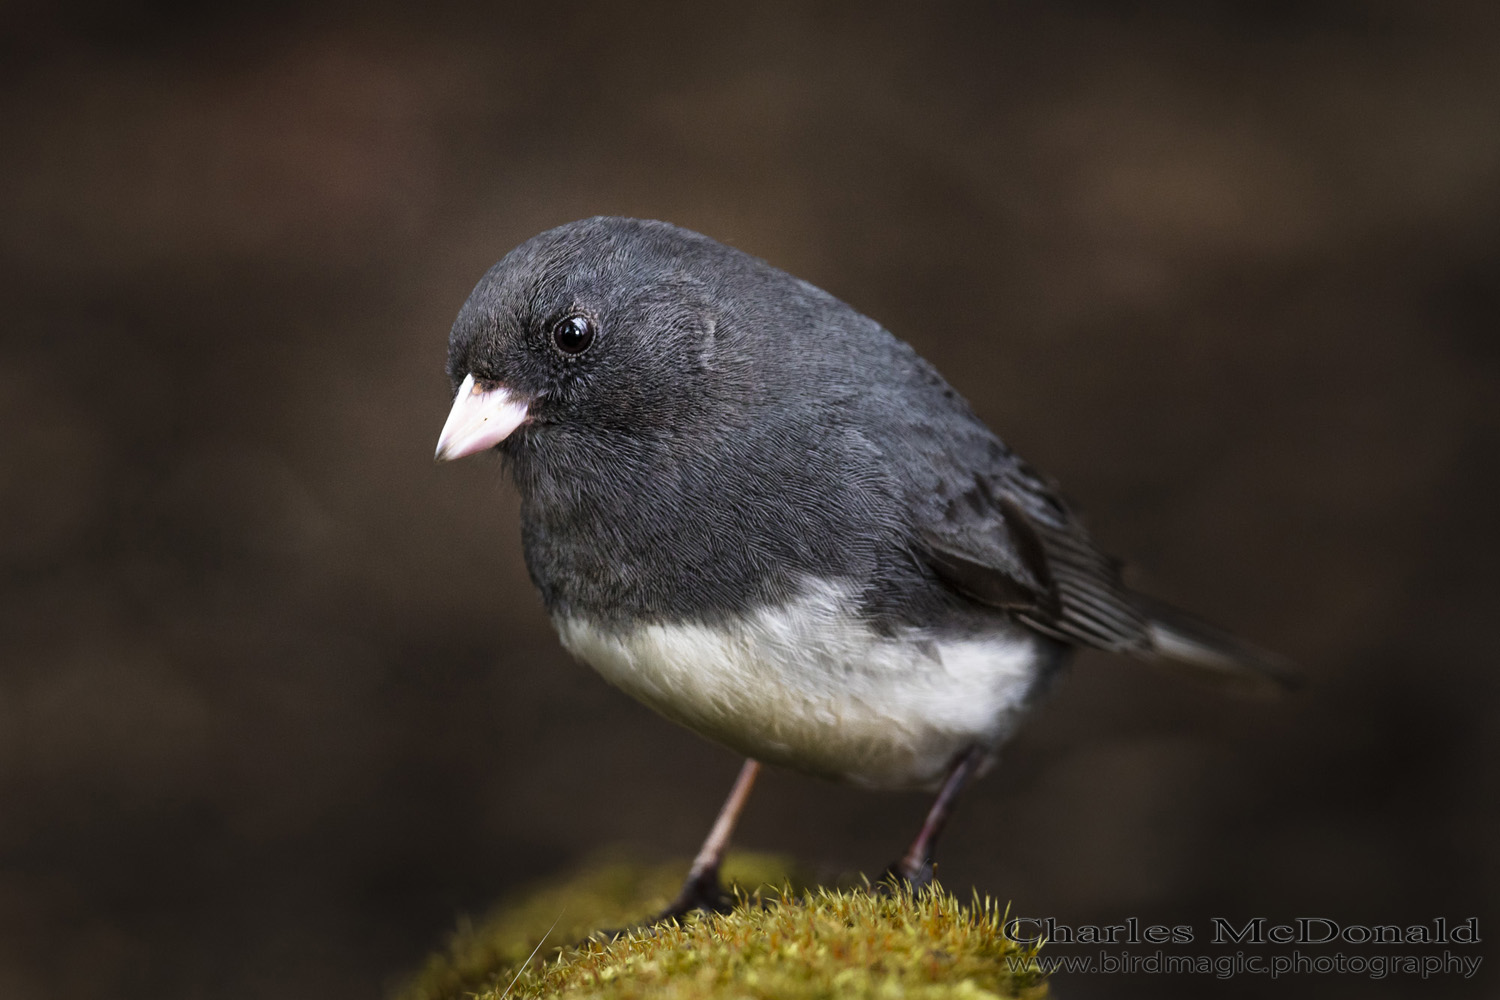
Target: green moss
column 778, row 943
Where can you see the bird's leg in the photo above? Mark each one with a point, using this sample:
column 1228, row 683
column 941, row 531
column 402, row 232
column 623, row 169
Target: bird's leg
column 701, row 890
column 916, row 866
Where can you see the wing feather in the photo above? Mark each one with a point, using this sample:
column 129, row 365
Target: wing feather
column 1010, row 541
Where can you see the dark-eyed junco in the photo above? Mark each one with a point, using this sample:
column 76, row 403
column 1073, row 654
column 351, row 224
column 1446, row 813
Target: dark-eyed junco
column 761, row 514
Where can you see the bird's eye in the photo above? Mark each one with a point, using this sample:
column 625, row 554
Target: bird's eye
column 573, row 334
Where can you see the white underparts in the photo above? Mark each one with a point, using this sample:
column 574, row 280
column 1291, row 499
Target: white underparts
column 810, row 686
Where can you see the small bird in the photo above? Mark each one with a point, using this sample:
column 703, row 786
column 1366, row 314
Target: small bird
column 758, row 512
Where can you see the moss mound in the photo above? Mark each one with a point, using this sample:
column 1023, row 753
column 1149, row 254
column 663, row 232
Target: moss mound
column 777, row 943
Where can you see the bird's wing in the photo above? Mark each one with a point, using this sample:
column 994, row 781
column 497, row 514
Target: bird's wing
column 1005, row 538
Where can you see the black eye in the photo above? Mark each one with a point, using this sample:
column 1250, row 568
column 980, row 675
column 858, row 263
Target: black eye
column 573, row 334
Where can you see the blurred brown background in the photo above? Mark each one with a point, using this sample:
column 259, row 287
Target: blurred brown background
column 277, row 702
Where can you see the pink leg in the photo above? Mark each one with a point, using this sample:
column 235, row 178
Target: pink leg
column 701, row 890
column 916, row 866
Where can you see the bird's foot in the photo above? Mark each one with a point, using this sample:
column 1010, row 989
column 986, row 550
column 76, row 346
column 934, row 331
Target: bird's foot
column 913, row 877
column 701, row 891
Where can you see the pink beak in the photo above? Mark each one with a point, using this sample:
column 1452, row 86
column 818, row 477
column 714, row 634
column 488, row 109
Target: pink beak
column 479, row 420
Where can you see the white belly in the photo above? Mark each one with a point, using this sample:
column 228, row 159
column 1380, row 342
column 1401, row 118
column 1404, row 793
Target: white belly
column 808, row 686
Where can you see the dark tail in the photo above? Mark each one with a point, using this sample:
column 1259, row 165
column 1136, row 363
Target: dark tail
column 1179, row 639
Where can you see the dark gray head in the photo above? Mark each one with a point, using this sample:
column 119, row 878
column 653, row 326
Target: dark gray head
column 605, row 323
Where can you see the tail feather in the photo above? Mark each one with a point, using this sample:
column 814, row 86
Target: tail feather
column 1179, row 639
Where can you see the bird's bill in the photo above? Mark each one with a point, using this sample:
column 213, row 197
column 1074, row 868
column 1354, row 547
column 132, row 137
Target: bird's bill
column 480, row 419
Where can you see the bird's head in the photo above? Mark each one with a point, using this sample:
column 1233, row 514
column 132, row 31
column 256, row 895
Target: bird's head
column 601, row 325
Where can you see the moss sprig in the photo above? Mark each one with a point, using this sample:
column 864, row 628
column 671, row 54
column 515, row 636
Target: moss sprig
column 776, row 943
